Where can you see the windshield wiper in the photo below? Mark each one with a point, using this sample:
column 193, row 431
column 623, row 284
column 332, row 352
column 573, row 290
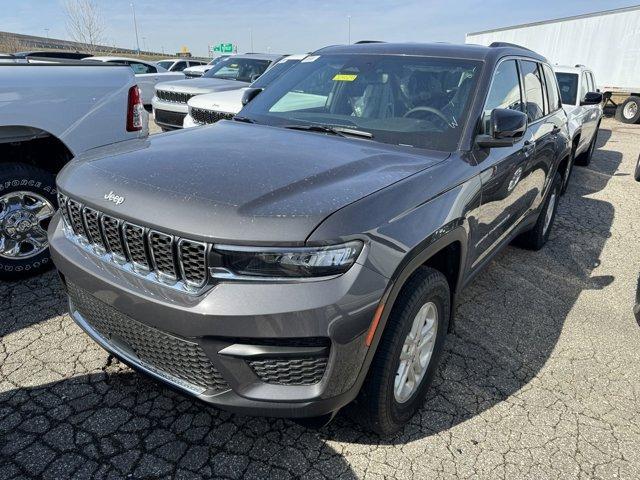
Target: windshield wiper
column 243, row 119
column 339, row 131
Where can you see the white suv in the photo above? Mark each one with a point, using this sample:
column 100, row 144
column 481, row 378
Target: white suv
column 582, row 102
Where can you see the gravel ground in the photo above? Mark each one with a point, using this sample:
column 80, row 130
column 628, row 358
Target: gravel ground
column 541, row 379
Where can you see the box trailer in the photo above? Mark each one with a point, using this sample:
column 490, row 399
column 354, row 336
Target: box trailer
column 607, row 42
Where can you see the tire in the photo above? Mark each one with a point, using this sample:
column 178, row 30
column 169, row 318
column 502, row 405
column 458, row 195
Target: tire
column 379, row 408
column 35, row 187
column 629, row 110
column 584, row 158
column 537, row 237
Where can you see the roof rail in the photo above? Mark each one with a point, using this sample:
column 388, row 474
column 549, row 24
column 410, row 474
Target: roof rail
column 369, row 41
column 578, row 65
column 507, row 44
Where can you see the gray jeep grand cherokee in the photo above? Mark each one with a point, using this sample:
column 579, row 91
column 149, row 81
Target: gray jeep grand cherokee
column 310, row 252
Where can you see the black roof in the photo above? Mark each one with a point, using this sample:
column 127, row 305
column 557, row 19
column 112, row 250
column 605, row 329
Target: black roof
column 451, row 50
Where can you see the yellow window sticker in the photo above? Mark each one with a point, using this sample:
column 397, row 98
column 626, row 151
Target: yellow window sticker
column 344, row 77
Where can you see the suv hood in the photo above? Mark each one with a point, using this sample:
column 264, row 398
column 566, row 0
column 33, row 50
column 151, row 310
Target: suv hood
column 198, row 86
column 229, row 101
column 235, row 182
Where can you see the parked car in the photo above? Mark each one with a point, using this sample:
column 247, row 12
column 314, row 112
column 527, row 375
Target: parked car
column 293, row 260
column 582, row 102
column 179, row 64
column 52, row 112
column 211, row 107
column 148, row 74
column 198, row 71
column 170, row 101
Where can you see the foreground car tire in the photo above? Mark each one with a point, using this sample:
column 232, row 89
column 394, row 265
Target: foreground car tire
column 408, row 354
column 27, row 203
column 538, row 236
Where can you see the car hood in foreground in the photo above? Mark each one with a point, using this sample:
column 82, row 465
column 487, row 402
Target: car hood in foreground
column 199, row 86
column 235, row 182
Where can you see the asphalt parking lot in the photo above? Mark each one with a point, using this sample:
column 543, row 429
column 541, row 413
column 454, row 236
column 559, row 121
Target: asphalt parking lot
column 540, row 380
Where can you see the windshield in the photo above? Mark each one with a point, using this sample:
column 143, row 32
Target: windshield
column 241, row 69
column 397, row 99
column 166, row 64
column 568, row 83
column 274, row 72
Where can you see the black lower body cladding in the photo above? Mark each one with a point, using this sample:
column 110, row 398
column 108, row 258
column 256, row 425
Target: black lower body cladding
column 291, row 350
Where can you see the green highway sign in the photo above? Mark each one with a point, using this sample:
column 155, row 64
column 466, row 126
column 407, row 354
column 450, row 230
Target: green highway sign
column 223, row 48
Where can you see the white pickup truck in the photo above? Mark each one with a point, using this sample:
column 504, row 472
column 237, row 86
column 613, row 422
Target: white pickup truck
column 49, row 113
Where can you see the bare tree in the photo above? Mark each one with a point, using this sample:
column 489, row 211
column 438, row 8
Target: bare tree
column 85, row 23
column 11, row 44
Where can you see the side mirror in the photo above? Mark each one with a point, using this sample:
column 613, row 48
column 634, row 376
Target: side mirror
column 249, row 94
column 506, row 127
column 592, row 98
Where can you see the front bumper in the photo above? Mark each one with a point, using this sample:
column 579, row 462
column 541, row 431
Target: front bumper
column 169, row 115
column 290, row 350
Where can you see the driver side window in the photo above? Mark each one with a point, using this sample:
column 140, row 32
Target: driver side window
column 504, row 92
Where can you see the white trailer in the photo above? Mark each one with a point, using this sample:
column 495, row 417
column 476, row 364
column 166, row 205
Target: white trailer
column 607, row 42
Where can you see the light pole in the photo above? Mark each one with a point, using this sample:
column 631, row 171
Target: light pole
column 47, row 32
column 144, row 44
column 135, row 26
column 349, row 20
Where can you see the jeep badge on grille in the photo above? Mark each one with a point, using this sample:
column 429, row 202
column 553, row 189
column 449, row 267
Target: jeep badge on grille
column 112, row 197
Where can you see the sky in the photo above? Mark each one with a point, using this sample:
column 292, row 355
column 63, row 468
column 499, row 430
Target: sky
column 290, row 26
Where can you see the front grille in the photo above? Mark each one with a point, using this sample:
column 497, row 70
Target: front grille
column 169, row 119
column 177, row 262
column 160, row 352
column 175, row 97
column 290, row 371
column 64, row 209
column 203, row 116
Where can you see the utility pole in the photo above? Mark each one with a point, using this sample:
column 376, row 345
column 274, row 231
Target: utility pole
column 144, row 44
column 349, row 20
column 135, row 26
column 47, row 32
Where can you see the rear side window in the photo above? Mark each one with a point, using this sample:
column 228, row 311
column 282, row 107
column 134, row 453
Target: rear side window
column 504, row 92
column 568, row 87
column 584, row 86
column 552, row 88
column 142, row 68
column 533, row 90
column 178, row 67
column 593, row 82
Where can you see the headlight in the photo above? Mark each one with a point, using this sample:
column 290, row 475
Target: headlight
column 291, row 262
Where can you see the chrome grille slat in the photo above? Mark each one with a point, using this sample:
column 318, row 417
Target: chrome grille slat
column 192, row 258
column 92, row 226
column 134, row 237
column 157, row 257
column 75, row 216
column 111, row 229
column 162, row 250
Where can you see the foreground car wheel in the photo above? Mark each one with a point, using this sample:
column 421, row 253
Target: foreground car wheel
column 408, row 354
column 536, row 238
column 27, row 203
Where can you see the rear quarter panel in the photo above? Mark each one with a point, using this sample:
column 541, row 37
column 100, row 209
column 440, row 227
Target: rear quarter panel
column 84, row 106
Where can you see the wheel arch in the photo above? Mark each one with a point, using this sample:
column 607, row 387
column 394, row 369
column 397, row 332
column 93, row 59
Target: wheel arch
column 33, row 146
